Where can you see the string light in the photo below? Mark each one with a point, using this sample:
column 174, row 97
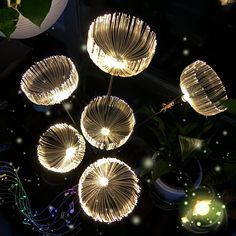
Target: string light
column 107, row 122
column 50, row 81
column 61, row 148
column 108, row 190
column 202, row 89
column 121, row 45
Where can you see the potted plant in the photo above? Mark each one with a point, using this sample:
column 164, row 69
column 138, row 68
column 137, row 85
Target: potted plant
column 26, row 18
column 178, row 145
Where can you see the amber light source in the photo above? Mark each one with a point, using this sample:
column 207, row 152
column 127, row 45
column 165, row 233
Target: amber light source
column 50, row 81
column 61, row 148
column 120, row 44
column 202, row 89
column 108, row 190
column 107, row 122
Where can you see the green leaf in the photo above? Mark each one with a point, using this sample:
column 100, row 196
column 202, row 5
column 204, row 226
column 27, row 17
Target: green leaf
column 36, row 10
column 8, row 20
column 161, row 167
column 189, row 145
column 230, row 104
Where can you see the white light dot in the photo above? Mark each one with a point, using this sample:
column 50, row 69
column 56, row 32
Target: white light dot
column 103, row 181
column 136, row 220
column 83, row 48
column 105, row 131
column 70, row 152
column 186, row 52
column 68, row 106
column 217, row 142
column 202, row 207
column 48, row 113
column 19, row 140
column 185, row 38
column 217, row 168
column 148, row 163
column 224, row 132
column 19, row 92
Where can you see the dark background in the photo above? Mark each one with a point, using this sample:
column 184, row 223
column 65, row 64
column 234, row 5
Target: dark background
column 186, row 30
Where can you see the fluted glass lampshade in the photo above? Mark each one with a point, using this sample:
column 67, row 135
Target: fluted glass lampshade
column 107, row 122
column 202, row 89
column 120, row 44
column 108, row 190
column 50, row 81
column 61, row 148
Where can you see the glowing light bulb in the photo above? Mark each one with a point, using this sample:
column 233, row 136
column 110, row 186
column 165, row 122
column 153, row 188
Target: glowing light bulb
column 70, row 152
column 202, row 207
column 114, row 63
column 105, row 131
column 103, row 181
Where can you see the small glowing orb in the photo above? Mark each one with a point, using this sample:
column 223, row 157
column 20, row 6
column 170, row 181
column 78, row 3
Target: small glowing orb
column 184, row 220
column 103, row 181
column 202, row 89
column 120, row 44
column 203, row 212
column 61, row 148
column 202, row 207
column 105, row 131
column 107, row 122
column 70, row 152
column 50, row 81
column 108, row 190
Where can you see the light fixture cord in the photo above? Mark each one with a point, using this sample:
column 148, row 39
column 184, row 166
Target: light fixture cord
column 165, row 107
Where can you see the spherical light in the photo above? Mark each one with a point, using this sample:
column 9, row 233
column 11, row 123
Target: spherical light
column 202, row 211
column 26, row 29
column 61, row 148
column 107, row 122
column 202, row 89
column 108, row 190
column 120, row 44
column 50, row 81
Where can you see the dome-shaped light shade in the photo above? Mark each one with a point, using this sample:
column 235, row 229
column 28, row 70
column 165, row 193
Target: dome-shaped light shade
column 121, row 45
column 107, row 122
column 50, row 81
column 202, row 89
column 61, row 148
column 27, row 29
column 108, row 190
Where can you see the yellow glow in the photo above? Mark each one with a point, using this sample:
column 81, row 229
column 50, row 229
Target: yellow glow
column 184, row 220
column 103, row 181
column 114, row 63
column 61, row 148
column 108, row 190
column 60, row 96
column 202, row 207
column 50, row 81
column 105, row 131
column 70, row 152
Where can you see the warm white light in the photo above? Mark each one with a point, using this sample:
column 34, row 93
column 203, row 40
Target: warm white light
column 202, row 207
column 103, row 181
column 105, row 131
column 60, row 96
column 70, row 152
column 114, row 63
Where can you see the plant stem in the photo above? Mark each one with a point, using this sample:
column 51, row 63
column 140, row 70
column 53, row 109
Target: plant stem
column 165, row 107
